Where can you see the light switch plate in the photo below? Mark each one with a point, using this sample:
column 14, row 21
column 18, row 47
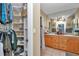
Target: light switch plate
column 34, row 30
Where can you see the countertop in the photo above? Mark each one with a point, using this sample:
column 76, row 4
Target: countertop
column 70, row 35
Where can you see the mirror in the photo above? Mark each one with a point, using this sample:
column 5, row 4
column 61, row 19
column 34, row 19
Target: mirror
column 66, row 25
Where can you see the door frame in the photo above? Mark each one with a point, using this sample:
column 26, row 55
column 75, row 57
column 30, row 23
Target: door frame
column 42, row 41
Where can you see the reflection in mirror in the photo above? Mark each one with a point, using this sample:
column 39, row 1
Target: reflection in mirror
column 68, row 24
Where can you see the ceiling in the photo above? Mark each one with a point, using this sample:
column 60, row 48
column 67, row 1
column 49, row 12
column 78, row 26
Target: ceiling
column 59, row 9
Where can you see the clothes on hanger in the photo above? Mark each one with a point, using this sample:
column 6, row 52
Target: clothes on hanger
column 7, row 45
column 1, row 45
column 6, row 13
column 8, row 39
column 1, row 49
column 4, row 16
column 9, row 42
column 0, row 11
column 13, row 39
column 1, row 36
column 10, row 12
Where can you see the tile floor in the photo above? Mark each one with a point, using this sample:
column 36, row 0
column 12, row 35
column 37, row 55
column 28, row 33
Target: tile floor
column 54, row 52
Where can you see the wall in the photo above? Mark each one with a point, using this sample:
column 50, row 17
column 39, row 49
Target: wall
column 70, row 19
column 46, row 20
column 77, row 13
column 69, row 22
column 30, row 28
column 36, row 29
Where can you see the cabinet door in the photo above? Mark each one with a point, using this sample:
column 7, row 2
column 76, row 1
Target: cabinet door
column 62, row 42
column 50, row 41
column 76, row 45
column 47, row 40
column 55, row 41
column 70, row 45
column 73, row 45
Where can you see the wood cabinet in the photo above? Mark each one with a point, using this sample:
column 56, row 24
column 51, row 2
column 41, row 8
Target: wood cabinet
column 70, row 44
column 47, row 40
column 55, row 41
column 62, row 42
column 73, row 45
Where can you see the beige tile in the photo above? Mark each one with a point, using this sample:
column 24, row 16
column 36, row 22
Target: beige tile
column 55, row 52
column 52, row 52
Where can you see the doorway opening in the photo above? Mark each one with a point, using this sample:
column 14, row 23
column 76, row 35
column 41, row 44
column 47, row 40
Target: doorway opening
column 42, row 42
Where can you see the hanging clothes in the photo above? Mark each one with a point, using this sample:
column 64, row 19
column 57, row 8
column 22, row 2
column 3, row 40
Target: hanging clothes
column 1, row 49
column 7, row 45
column 6, row 13
column 10, row 12
column 0, row 11
column 13, row 39
column 8, row 40
column 1, row 37
column 4, row 16
column 1, row 44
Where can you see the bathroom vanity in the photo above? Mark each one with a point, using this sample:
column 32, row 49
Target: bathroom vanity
column 69, row 43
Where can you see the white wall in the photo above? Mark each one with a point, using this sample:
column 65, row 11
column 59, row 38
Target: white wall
column 30, row 28
column 36, row 28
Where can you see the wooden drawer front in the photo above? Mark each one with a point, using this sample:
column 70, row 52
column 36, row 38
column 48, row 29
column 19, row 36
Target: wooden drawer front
column 55, row 42
column 73, row 45
column 66, row 43
column 62, row 42
column 55, row 39
column 76, row 46
column 70, row 46
column 56, row 45
column 48, row 41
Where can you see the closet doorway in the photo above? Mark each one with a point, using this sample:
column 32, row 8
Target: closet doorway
column 42, row 42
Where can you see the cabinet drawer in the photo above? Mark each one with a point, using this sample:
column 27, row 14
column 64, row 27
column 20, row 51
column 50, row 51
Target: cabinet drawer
column 73, row 45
